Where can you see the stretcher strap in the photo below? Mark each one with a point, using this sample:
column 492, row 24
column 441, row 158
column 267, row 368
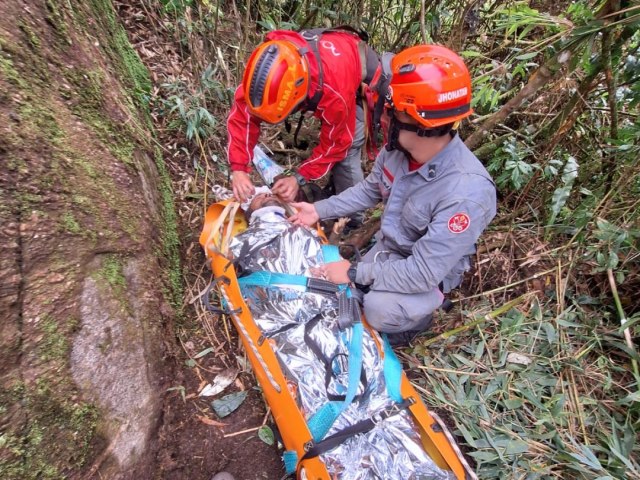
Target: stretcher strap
column 218, row 239
column 266, row 279
column 206, row 300
column 328, row 362
column 392, row 370
column 322, row 421
column 364, row 426
column 330, row 253
column 246, row 252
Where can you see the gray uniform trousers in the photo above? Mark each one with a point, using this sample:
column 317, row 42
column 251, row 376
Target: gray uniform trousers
column 393, row 312
column 348, row 172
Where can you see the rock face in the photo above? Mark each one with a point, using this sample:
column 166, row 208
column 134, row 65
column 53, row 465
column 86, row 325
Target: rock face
column 87, row 243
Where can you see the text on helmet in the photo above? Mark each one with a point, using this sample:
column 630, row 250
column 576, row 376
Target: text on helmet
column 448, row 96
column 285, row 96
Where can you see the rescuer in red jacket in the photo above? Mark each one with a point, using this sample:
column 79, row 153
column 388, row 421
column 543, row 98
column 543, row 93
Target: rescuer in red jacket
column 320, row 70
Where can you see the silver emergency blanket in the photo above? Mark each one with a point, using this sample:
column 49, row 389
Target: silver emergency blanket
column 392, row 449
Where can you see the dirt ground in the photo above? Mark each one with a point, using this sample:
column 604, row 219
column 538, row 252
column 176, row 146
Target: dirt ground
column 193, row 442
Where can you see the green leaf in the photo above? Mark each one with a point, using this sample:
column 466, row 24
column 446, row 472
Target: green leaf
column 570, row 171
column 203, row 352
column 229, row 403
column 527, row 56
column 550, row 332
column 629, row 399
column 266, row 435
column 484, row 457
column 513, row 403
column 587, row 458
column 515, row 447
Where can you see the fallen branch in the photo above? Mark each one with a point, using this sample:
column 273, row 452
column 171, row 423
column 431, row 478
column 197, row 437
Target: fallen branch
column 506, row 287
column 248, row 430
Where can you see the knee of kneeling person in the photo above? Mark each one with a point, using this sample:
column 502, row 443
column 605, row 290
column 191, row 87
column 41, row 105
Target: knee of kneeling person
column 384, row 314
column 378, row 313
column 389, row 313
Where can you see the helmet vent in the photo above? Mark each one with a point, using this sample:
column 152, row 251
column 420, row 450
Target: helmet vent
column 406, row 68
column 260, row 74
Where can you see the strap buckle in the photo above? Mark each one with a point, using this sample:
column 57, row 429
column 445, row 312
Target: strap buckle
column 309, row 36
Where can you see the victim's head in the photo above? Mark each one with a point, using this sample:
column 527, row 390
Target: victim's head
column 263, row 200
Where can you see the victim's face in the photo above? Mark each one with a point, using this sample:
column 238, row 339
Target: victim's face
column 264, row 200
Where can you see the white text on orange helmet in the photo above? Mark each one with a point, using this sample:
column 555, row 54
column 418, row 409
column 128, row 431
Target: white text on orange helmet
column 448, row 96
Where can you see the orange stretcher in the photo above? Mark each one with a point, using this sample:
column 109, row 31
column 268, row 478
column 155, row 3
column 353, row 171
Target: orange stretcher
column 222, row 221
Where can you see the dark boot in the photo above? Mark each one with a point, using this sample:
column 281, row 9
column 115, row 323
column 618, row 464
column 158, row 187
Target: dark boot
column 404, row 339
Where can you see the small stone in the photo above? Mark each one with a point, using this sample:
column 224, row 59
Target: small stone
column 518, row 359
column 223, row 476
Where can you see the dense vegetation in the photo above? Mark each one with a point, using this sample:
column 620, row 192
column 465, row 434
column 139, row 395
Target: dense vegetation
column 537, row 370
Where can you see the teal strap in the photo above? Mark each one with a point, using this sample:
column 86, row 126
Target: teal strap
column 321, row 421
column 290, row 459
column 392, row 370
column 265, row 279
column 355, row 363
column 331, row 253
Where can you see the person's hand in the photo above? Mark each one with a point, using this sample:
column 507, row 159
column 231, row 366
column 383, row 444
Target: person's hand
column 286, row 188
column 336, row 272
column 306, row 215
column 242, row 186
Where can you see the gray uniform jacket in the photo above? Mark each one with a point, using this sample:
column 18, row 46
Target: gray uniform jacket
column 432, row 217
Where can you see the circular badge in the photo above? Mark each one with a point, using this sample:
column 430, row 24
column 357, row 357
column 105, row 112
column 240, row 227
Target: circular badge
column 459, row 222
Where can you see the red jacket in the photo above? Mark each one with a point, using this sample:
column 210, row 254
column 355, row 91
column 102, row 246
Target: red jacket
column 342, row 76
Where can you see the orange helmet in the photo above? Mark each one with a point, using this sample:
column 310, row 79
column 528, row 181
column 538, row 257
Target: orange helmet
column 431, row 84
column 275, row 80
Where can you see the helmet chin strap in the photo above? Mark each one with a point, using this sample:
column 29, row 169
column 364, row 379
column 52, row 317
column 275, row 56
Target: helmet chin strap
column 396, row 125
column 393, row 142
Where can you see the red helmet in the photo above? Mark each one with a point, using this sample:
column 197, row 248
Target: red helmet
column 275, row 80
column 431, row 84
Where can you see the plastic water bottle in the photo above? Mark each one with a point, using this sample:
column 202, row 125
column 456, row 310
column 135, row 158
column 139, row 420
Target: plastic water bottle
column 267, row 168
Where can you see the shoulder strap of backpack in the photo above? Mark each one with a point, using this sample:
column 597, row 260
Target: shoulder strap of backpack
column 312, row 37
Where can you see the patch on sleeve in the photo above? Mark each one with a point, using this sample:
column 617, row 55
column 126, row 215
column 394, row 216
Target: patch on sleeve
column 459, row 222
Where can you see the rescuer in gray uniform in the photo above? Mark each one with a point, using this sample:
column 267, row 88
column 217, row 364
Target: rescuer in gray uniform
column 438, row 197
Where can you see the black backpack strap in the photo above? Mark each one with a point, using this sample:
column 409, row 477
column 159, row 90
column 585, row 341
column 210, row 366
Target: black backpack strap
column 381, row 86
column 363, row 35
column 312, row 37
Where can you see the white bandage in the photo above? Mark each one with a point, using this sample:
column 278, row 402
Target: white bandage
column 259, row 190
